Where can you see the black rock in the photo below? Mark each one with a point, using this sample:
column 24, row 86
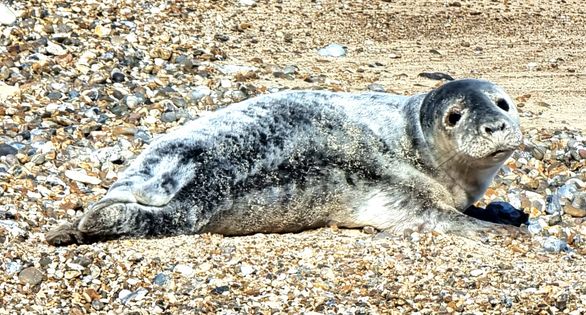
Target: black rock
column 221, row 289
column 118, row 77
column 221, row 37
column 436, row 76
column 6, row 149
column 499, row 212
column 119, row 109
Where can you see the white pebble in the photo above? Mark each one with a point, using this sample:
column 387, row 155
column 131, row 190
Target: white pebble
column 246, row 270
column 55, row 49
column 332, row 50
column 81, row 176
column 184, row 270
column 476, row 272
column 7, row 15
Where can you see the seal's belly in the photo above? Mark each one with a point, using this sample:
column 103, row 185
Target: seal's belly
column 278, row 209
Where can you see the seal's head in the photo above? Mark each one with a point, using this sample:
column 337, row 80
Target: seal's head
column 471, row 128
column 473, row 120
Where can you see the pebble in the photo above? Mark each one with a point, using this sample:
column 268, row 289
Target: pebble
column 31, row 276
column 375, row 87
column 160, row 279
column 554, row 245
column 55, row 49
column 7, row 14
column 234, row 69
column 118, row 77
column 102, row 31
column 436, row 76
column 553, row 204
column 131, row 101
column 532, row 66
column 580, row 200
column 221, row 289
column 7, row 91
column 168, row 117
column 246, row 270
column 54, row 96
column 332, row 50
column 184, row 270
column 200, row 92
column 574, row 212
column 290, row 70
column 476, row 272
column 6, row 149
column 81, row 176
column 13, row 267
column 70, row 274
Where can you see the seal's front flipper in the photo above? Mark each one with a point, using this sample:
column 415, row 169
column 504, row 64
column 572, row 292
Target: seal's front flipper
column 458, row 223
column 446, row 219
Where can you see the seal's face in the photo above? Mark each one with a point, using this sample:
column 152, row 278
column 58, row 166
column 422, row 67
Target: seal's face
column 471, row 120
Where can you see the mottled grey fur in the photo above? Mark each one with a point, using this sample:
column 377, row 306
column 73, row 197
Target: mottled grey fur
column 296, row 160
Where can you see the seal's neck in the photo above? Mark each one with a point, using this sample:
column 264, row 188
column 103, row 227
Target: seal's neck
column 467, row 182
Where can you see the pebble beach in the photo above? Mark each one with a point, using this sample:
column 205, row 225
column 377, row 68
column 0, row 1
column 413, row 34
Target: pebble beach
column 86, row 85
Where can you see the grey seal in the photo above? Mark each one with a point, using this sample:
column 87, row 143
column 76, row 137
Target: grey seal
column 297, row 160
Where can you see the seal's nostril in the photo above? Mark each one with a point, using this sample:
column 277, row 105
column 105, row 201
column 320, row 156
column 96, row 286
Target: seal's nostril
column 493, row 127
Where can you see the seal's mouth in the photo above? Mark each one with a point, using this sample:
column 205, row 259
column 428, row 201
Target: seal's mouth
column 500, row 154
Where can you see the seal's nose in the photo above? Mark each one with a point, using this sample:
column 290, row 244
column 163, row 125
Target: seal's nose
column 492, row 127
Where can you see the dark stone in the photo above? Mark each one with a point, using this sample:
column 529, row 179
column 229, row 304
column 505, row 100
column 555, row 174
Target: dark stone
column 499, row 212
column 119, row 109
column 31, row 275
column 221, row 289
column 54, row 96
column 221, row 38
column 118, row 77
column 6, row 149
column 45, row 261
column 26, row 135
column 436, row 76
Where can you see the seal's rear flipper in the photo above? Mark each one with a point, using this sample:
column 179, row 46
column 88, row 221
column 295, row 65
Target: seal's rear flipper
column 110, row 219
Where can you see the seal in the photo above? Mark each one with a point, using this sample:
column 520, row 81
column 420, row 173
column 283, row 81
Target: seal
column 297, row 160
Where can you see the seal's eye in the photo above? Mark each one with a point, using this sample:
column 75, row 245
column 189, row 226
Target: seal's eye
column 502, row 104
column 453, row 117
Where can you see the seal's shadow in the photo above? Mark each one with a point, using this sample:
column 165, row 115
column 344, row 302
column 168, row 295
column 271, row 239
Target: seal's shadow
column 499, row 212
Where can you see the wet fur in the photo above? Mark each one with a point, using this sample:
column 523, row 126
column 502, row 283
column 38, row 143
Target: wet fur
column 297, row 160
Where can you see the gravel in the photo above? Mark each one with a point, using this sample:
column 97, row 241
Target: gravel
column 86, row 85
